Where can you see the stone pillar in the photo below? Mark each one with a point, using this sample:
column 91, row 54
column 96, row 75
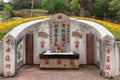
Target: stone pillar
column 8, row 56
column 117, row 58
column 1, row 53
column 107, row 57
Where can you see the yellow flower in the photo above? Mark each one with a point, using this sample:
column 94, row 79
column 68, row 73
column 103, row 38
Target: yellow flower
column 7, row 26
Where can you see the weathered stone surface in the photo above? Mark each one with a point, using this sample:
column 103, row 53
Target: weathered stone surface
column 1, row 62
column 108, row 57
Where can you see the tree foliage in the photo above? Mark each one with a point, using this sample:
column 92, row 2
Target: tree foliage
column 55, row 6
column 87, row 6
column 98, row 9
column 101, row 9
column 8, row 10
column 74, row 7
column 26, row 4
column 114, row 6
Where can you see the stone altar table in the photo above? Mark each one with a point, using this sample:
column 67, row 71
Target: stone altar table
column 59, row 60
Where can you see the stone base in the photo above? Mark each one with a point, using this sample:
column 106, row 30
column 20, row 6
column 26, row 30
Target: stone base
column 59, row 61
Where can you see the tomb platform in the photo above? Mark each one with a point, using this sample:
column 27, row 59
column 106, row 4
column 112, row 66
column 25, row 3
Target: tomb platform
column 59, row 60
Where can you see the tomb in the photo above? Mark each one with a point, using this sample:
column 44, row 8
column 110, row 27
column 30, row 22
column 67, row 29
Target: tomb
column 59, row 42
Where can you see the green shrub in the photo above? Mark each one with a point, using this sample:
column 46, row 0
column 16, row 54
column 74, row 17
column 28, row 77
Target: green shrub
column 8, row 10
column 55, row 6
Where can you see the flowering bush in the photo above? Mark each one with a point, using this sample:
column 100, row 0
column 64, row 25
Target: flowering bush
column 112, row 27
column 7, row 26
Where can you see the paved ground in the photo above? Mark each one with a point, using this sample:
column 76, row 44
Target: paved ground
column 34, row 73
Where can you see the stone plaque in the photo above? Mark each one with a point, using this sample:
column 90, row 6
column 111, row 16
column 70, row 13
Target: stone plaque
column 60, row 33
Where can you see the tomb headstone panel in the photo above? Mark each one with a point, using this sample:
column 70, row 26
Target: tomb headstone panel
column 60, row 33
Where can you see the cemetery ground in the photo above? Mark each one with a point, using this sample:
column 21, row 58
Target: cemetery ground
column 32, row 72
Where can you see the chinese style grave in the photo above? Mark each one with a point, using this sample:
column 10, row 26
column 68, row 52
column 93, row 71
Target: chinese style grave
column 59, row 42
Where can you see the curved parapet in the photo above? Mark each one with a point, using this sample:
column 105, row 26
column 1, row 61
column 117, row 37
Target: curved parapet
column 94, row 27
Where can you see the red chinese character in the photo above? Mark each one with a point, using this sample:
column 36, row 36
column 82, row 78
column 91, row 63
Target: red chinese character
column 8, row 66
column 108, row 58
column 8, row 41
column 59, row 62
column 63, row 25
column 8, row 73
column 68, row 25
column 71, row 62
column 56, row 25
column 107, row 67
column 46, row 61
column 63, row 39
column 63, row 44
column 42, row 44
column 55, row 44
column 56, row 40
column 107, row 75
column 59, row 17
column 76, row 44
column 7, row 58
column 108, row 50
column 107, row 42
column 68, row 41
column 8, row 50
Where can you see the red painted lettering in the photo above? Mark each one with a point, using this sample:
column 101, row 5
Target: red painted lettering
column 59, row 62
column 46, row 61
column 108, row 58
column 107, row 67
column 63, row 25
column 72, row 62
column 107, row 42
column 8, row 50
column 107, row 75
column 8, row 41
column 8, row 66
column 108, row 50
column 7, row 58
column 56, row 40
column 8, row 73
column 42, row 44
column 76, row 44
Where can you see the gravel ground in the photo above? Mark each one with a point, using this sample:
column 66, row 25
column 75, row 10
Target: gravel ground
column 33, row 72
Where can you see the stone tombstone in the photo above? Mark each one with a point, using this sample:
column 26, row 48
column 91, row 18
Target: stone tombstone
column 107, row 58
column 60, row 33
